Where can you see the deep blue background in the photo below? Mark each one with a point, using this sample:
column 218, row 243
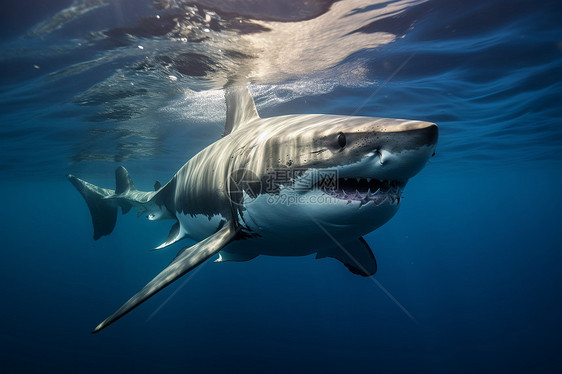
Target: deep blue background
column 473, row 254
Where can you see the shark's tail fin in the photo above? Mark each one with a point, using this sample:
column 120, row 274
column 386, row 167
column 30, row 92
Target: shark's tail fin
column 104, row 214
column 103, row 202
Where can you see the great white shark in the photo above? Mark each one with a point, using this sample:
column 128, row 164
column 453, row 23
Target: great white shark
column 291, row 185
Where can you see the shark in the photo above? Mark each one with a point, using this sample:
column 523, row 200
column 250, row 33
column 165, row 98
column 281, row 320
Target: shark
column 292, row 185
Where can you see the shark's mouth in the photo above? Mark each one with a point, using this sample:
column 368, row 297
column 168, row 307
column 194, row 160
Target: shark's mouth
column 366, row 190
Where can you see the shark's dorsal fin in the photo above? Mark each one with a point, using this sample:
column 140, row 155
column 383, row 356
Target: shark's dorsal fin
column 240, row 108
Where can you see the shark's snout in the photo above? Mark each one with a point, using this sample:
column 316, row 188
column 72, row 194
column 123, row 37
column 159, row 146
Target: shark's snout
column 402, row 149
column 410, row 135
column 409, row 151
column 430, row 134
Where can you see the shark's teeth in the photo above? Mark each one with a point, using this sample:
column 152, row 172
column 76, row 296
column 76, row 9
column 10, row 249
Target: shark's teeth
column 366, row 190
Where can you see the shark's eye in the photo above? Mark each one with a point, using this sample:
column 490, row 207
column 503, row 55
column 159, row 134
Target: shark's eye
column 342, row 141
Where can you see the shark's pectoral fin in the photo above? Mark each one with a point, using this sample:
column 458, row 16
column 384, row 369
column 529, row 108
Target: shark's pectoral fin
column 225, row 256
column 187, row 260
column 175, row 235
column 356, row 255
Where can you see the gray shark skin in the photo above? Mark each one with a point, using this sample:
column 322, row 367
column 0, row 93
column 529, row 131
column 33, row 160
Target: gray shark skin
column 242, row 196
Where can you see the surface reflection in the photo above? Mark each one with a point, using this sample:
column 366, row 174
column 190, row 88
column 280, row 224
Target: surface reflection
column 137, row 60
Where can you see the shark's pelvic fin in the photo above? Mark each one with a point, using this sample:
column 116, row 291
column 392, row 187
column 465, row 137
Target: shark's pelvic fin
column 187, row 259
column 225, row 256
column 175, row 235
column 357, row 257
column 240, row 108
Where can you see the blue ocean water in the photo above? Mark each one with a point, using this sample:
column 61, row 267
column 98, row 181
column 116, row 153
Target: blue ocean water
column 468, row 270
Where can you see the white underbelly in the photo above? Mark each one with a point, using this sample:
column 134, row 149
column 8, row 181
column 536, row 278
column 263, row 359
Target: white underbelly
column 302, row 224
column 293, row 225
